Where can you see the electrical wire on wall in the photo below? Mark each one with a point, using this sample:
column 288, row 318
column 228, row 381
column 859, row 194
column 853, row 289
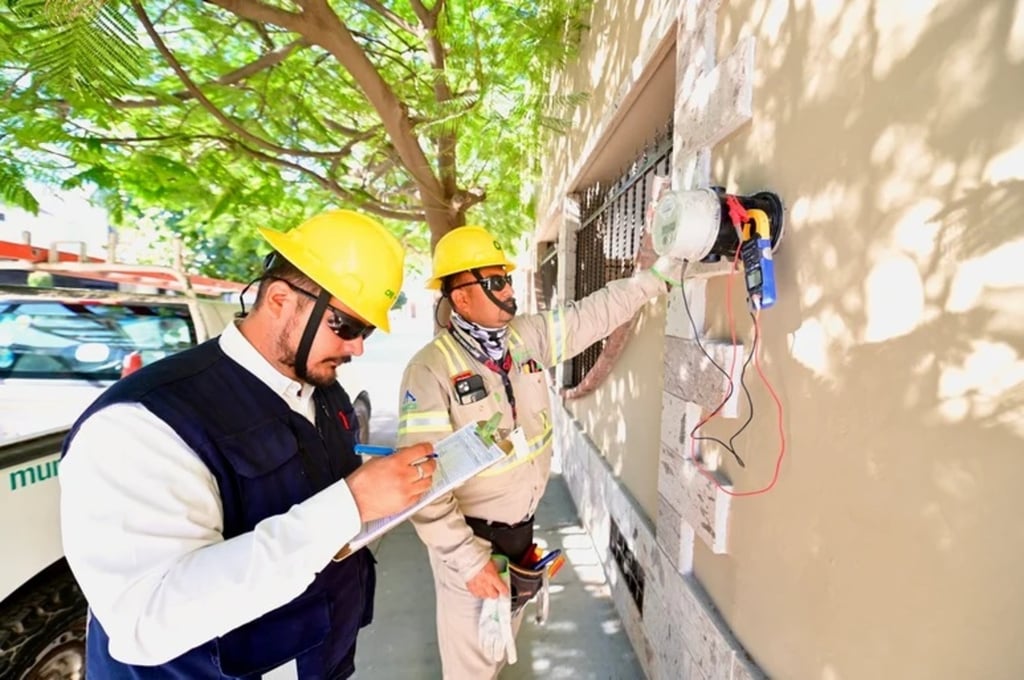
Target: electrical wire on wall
column 754, row 355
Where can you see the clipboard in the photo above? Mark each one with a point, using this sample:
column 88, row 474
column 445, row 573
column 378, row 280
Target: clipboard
column 460, row 456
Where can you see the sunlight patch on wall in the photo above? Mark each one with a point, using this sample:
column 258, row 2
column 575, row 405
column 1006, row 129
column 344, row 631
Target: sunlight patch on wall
column 898, row 26
column 1015, row 40
column 1008, row 165
column 997, row 269
column 975, row 388
column 809, row 345
column 819, row 338
column 839, row 26
column 836, row 198
column 915, row 234
column 906, row 152
column 775, row 13
column 967, row 70
column 598, row 65
column 829, row 672
column 894, row 299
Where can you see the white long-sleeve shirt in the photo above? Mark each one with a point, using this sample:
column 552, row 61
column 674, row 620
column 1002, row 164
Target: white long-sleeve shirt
column 142, row 523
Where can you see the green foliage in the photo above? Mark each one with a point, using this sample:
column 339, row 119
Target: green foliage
column 282, row 129
column 13, row 191
column 40, row 279
column 82, row 47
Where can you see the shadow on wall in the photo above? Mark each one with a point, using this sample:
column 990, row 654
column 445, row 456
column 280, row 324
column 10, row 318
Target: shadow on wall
column 892, row 546
column 609, row 49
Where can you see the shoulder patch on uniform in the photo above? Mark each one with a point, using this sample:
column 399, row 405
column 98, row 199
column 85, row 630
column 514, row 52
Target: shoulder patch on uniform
column 408, row 402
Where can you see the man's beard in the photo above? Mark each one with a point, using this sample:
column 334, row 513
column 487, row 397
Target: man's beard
column 322, row 375
column 513, row 307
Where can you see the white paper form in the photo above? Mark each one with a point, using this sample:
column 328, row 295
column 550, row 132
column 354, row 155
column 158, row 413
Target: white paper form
column 460, row 456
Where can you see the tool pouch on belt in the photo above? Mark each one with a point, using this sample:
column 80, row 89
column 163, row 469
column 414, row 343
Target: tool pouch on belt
column 526, row 584
column 513, row 541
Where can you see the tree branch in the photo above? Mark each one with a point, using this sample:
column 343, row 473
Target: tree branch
column 13, row 86
column 259, row 12
column 390, row 16
column 400, row 59
column 198, row 95
column 365, row 202
column 267, row 61
column 327, row 30
column 261, row 31
column 445, row 140
column 129, row 141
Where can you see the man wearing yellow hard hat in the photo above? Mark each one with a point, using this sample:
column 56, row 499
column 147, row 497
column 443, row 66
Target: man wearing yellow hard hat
column 204, row 496
column 489, row 360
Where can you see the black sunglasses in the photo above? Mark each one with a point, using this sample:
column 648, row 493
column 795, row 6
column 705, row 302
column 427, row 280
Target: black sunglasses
column 345, row 326
column 492, row 283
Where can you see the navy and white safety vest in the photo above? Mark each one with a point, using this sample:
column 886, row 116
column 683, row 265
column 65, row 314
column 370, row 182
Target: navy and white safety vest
column 265, row 458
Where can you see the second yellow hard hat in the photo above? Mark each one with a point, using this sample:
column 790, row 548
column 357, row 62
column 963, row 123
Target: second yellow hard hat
column 465, row 248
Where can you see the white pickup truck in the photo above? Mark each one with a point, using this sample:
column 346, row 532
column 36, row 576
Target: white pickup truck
column 59, row 348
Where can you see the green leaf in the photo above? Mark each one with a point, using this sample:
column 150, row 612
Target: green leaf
column 13, row 191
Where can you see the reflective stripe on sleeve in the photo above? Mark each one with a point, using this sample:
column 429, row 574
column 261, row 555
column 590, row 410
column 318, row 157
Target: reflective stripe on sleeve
column 418, row 422
column 556, row 335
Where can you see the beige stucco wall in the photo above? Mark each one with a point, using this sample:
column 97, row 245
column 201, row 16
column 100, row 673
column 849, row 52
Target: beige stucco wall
column 623, row 416
column 894, row 131
column 622, row 33
column 893, row 545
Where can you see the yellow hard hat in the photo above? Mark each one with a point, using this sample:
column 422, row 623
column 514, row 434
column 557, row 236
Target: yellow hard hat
column 465, row 248
column 351, row 256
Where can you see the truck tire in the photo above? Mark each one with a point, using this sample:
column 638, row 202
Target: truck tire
column 362, row 408
column 42, row 632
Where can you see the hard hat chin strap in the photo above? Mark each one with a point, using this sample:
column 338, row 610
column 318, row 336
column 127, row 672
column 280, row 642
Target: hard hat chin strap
column 302, row 353
column 509, row 306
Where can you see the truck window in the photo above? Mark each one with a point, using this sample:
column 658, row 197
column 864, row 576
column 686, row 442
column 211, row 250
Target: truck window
column 61, row 340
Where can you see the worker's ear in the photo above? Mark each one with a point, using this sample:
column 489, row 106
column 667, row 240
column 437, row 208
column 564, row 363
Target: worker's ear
column 278, row 297
column 459, row 299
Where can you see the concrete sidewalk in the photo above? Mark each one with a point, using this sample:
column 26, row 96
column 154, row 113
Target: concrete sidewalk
column 583, row 638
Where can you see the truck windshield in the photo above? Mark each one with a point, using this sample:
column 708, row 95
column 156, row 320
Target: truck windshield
column 90, row 340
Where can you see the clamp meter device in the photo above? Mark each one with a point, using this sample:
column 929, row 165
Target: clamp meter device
column 756, row 254
column 708, row 224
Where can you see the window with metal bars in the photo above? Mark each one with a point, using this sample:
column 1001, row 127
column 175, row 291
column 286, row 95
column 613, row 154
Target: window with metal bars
column 629, row 567
column 611, row 224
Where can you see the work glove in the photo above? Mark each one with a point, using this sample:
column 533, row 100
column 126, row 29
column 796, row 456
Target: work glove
column 668, row 269
column 495, row 628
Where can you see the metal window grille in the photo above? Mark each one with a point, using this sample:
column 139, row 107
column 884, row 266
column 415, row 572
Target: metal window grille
column 629, row 567
column 611, row 225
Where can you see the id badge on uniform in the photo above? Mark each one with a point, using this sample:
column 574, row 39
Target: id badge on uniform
column 520, row 448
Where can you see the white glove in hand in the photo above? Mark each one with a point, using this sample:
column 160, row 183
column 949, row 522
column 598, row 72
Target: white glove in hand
column 668, row 269
column 495, row 627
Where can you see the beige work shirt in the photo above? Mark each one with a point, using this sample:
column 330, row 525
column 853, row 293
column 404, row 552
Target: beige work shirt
column 430, row 410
